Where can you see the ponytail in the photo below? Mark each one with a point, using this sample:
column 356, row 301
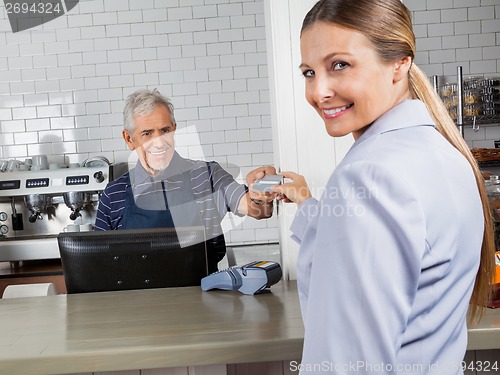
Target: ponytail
column 421, row 89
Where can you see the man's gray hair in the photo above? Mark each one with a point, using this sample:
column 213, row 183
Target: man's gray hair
column 143, row 102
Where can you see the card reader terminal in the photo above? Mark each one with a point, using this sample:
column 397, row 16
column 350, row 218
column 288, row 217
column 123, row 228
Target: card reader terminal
column 252, row 278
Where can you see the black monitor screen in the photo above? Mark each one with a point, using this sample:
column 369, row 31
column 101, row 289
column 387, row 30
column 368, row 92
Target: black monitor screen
column 133, row 259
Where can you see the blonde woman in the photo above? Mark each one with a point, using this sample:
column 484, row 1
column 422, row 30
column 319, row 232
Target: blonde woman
column 401, row 241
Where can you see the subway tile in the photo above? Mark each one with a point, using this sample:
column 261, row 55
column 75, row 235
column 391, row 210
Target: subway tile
column 9, row 50
column 211, row 112
column 207, row 62
column 481, row 40
column 27, row 87
column 182, row 64
column 151, row 15
column 209, row 87
column 235, row 136
column 157, row 65
column 112, row 119
column 255, row 33
column 218, row 23
column 249, row 46
column 101, row 132
column 93, row 83
column 469, row 27
column 31, row 49
column 108, row 18
column 242, row 21
column 205, row 11
column 469, row 54
column 85, row 122
column 180, row 13
column 180, row 89
column 168, row 27
column 247, row 97
column 13, row 126
column 459, row 41
column 38, row 124
column 131, row 42
column 224, row 149
column 180, row 39
column 98, row 57
column 141, row 4
column 132, row 67
column 184, row 3
column 68, row 34
column 220, row 73
column 222, row 99
column 234, row 85
column 256, row 7
column 219, row 49
column 441, row 29
column 119, row 55
column 88, row 146
column 490, row 26
column 155, row 41
column 77, row 109
column 195, row 75
column 10, row 76
column 17, row 151
column 35, row 100
column 197, row 50
column 24, row 62
column 258, row 84
column 93, row 32
column 79, row 71
column 132, row 16
column 147, row 54
column 5, row 114
column 186, row 114
column 33, row 74
column 249, row 122
column 115, row 5
column 230, row 9
column 442, row 56
column 60, row 98
column 142, row 28
column 11, row 101
column 114, row 31
column 48, row 111
column 259, row 109
column 79, row 20
column 168, row 78
column 58, row 73
column 23, row 113
column 225, row 123
column 246, row 72
column 491, row 53
column 107, row 69
column 482, row 67
column 62, row 122
column 192, row 25
column 427, row 17
column 98, row 108
column 109, row 94
column 63, row 148
column 69, row 59
column 50, row 136
column 481, row 13
column 230, row 35
column 149, row 79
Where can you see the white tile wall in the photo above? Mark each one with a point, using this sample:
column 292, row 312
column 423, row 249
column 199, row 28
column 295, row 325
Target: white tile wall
column 62, row 84
column 465, row 33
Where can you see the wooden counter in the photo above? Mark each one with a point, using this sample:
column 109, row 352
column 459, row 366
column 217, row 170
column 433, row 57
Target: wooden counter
column 160, row 328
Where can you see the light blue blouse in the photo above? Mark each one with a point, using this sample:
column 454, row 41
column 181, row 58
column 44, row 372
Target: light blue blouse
column 388, row 255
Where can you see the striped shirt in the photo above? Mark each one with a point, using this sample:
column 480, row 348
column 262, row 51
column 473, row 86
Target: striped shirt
column 215, row 192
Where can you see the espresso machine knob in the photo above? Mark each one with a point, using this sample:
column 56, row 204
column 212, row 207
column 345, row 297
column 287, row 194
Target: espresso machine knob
column 3, row 229
column 99, row 177
column 3, row 216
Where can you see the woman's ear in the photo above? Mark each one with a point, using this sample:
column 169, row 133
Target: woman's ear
column 401, row 68
column 128, row 139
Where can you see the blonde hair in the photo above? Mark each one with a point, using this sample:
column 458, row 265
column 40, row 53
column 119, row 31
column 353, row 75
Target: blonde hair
column 387, row 24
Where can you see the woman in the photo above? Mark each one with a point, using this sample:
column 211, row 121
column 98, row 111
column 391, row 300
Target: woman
column 401, row 240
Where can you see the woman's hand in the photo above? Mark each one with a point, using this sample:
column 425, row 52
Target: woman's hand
column 295, row 191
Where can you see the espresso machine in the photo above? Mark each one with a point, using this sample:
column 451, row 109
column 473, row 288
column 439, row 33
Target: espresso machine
column 36, row 205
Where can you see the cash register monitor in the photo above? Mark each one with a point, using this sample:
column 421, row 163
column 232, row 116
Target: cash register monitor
column 133, row 259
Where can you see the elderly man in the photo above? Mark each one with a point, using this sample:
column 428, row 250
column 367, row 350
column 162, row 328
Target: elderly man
column 167, row 190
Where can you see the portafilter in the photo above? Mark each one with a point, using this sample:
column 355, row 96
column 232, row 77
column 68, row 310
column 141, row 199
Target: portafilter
column 76, row 200
column 36, row 203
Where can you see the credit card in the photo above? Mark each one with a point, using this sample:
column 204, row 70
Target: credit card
column 268, row 181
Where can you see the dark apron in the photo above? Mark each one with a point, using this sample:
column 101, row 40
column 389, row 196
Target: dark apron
column 183, row 212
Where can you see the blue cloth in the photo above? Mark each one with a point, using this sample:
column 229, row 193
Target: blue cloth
column 389, row 254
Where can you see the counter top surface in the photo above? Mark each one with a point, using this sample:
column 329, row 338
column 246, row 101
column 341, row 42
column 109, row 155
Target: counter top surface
column 161, row 328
